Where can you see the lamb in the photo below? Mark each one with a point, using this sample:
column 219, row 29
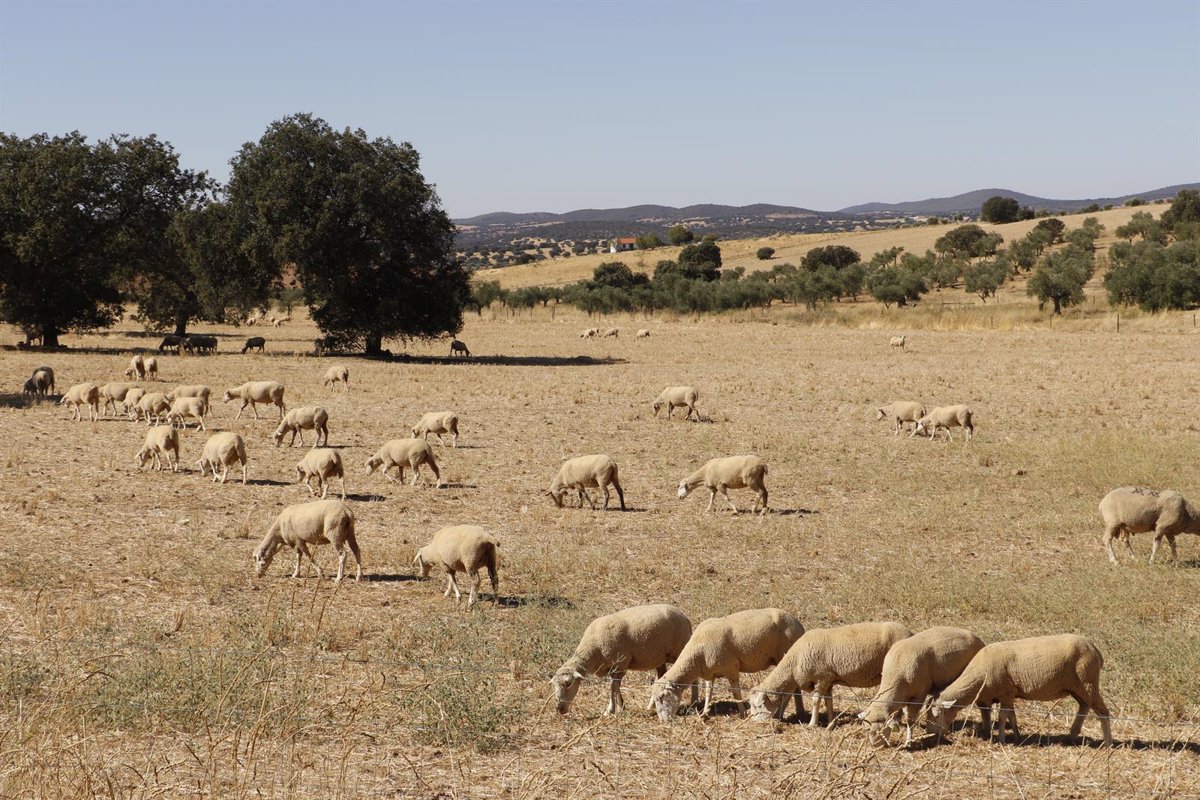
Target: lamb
column 151, row 368
column 335, row 375
column 915, row 669
column 257, row 392
column 590, row 333
column 897, row 341
column 137, row 369
column 461, row 548
column 159, row 442
column 437, row 422
column 1131, row 509
column 324, row 465
column 223, row 450
column 195, row 390
column 82, row 394
column 900, row 412
column 255, row 342
column 584, row 472
column 851, row 655
column 304, row 418
column 400, row 453
column 638, row 638
column 733, row 472
column 316, row 522
column 946, row 417
column 725, row 647
column 677, row 397
column 1043, row 668
column 613, row 332
column 132, row 398
column 113, row 393
column 458, row 348
column 643, row 334
column 45, row 382
column 184, row 407
column 154, row 405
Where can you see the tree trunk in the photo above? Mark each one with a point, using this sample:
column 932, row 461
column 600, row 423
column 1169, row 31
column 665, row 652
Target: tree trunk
column 181, row 326
column 1057, row 306
column 374, row 345
column 50, row 337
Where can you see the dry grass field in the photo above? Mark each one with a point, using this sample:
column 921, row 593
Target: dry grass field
column 140, row 657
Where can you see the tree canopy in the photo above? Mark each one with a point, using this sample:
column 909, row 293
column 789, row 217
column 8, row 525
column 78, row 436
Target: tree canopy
column 1000, row 210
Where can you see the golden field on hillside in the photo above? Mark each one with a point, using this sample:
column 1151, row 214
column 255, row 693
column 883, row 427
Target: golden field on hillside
column 140, row 657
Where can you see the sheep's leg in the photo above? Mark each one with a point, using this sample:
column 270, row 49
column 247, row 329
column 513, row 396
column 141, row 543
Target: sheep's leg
column 449, row 584
column 202, row 423
column 416, row 468
column 1154, row 549
column 454, row 585
column 324, row 484
column 1080, row 716
column 615, row 702
column 341, row 565
column 1174, row 552
column 474, row 596
column 708, row 687
column 984, row 731
column 725, row 491
column 661, row 670
column 1101, row 711
column 343, row 480
column 817, row 697
column 224, row 472
column 1108, row 537
column 583, row 494
column 736, row 687
column 299, row 560
column 456, row 441
column 712, row 495
column 1127, row 538
column 829, row 704
column 606, row 496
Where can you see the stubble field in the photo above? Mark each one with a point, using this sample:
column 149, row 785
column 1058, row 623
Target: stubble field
column 140, row 657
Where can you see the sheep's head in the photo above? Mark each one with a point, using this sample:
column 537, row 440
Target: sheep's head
column 262, row 558
column 684, row 490
column 228, row 396
column 566, row 685
column 666, row 700
column 373, row 464
column 656, row 405
column 923, row 425
column 879, row 414
column 29, row 387
column 278, row 435
column 557, row 496
column 420, row 566
column 299, row 473
column 764, row 706
column 942, row 714
column 141, row 457
column 877, row 713
column 416, row 432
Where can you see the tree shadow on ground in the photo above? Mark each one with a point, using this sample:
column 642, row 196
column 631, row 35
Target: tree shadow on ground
column 793, row 512
column 507, row 361
column 365, row 498
column 534, row 601
column 20, row 400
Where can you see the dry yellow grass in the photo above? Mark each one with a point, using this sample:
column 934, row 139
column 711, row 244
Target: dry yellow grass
column 139, row 657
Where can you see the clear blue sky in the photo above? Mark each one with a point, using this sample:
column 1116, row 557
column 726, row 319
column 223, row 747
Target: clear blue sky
column 522, row 106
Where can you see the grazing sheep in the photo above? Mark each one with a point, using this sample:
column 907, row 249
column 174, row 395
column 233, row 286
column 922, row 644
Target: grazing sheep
column 725, row 647
column 159, row 442
column 195, row 390
column 316, row 522
column 184, row 407
column 437, row 422
column 613, row 332
column 324, row 465
column 266, row 392
column 154, row 406
column 111, row 394
column 946, row 417
column 255, row 342
column 677, row 397
column 137, row 368
column 132, row 398
column 640, row 638
column 900, row 412
column 1132, row 509
column 335, row 375
column 915, row 669
column 171, row 342
column 223, row 450
column 461, row 548
column 29, row 387
column 82, row 394
column 43, row 378
column 458, row 348
column 643, row 334
column 278, row 321
column 200, row 344
column 851, row 655
column 151, row 368
column 304, row 418
column 1043, row 668
column 401, row 453
column 584, row 472
column 723, row 474
column 254, row 318
column 898, row 341
column 590, row 333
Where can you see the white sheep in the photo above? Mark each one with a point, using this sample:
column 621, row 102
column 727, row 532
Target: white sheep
column 252, row 392
column 335, row 375
column 154, row 406
column 183, row 408
column 1132, row 509
column 900, row 412
column 850, row 655
column 113, row 393
column 151, row 368
column 1043, row 668
column 915, row 669
column 945, row 418
column 461, row 548
column 640, row 638
column 304, row 418
column 222, row 450
column 725, row 647
column 196, row 390
column 613, row 332
column 897, row 341
column 643, row 334
column 316, row 522
column 678, row 397
column 324, row 465
column 162, row 441
column 437, row 422
column 723, row 474
column 137, row 368
column 129, row 404
column 82, row 394
column 582, row 473
column 43, row 378
column 401, row 453
column 590, row 333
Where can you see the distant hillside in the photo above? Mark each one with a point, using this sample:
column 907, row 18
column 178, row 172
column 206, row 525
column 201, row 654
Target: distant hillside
column 970, row 202
column 644, row 213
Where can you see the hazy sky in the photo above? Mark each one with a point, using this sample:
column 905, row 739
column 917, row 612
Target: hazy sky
column 522, row 106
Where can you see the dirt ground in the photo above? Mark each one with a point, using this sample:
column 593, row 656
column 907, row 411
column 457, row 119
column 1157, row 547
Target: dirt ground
column 140, row 657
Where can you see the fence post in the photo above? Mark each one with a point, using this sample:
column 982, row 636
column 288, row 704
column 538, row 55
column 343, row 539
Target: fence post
column 1118, row 322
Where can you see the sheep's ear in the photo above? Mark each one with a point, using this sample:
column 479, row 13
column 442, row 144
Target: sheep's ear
column 579, row 675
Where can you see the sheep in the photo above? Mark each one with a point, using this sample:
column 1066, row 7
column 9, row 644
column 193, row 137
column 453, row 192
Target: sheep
column 254, row 342
column 184, row 407
column 171, row 342
column 643, row 334
column 254, row 318
column 915, row 669
column 590, row 333
column 151, row 368
column 29, row 387
column 194, row 390
column 732, row 472
column 154, row 405
column 640, row 638
column 613, row 332
column 851, row 655
column 1043, row 668
column 437, row 422
column 46, row 382
column 316, row 522
column 113, row 393
column 304, row 418
column 461, row 548
column 335, row 375
column 257, row 392
column 324, row 465
column 223, row 450
column 82, row 394
column 400, row 453
column 900, row 412
column 132, row 398
column 946, row 417
column 1132, row 509
column 137, row 368
column 725, row 647
column 897, row 341
column 585, row 472
column 458, row 348
column 200, row 344
column 677, row 397
column 159, row 442
column 278, row 321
